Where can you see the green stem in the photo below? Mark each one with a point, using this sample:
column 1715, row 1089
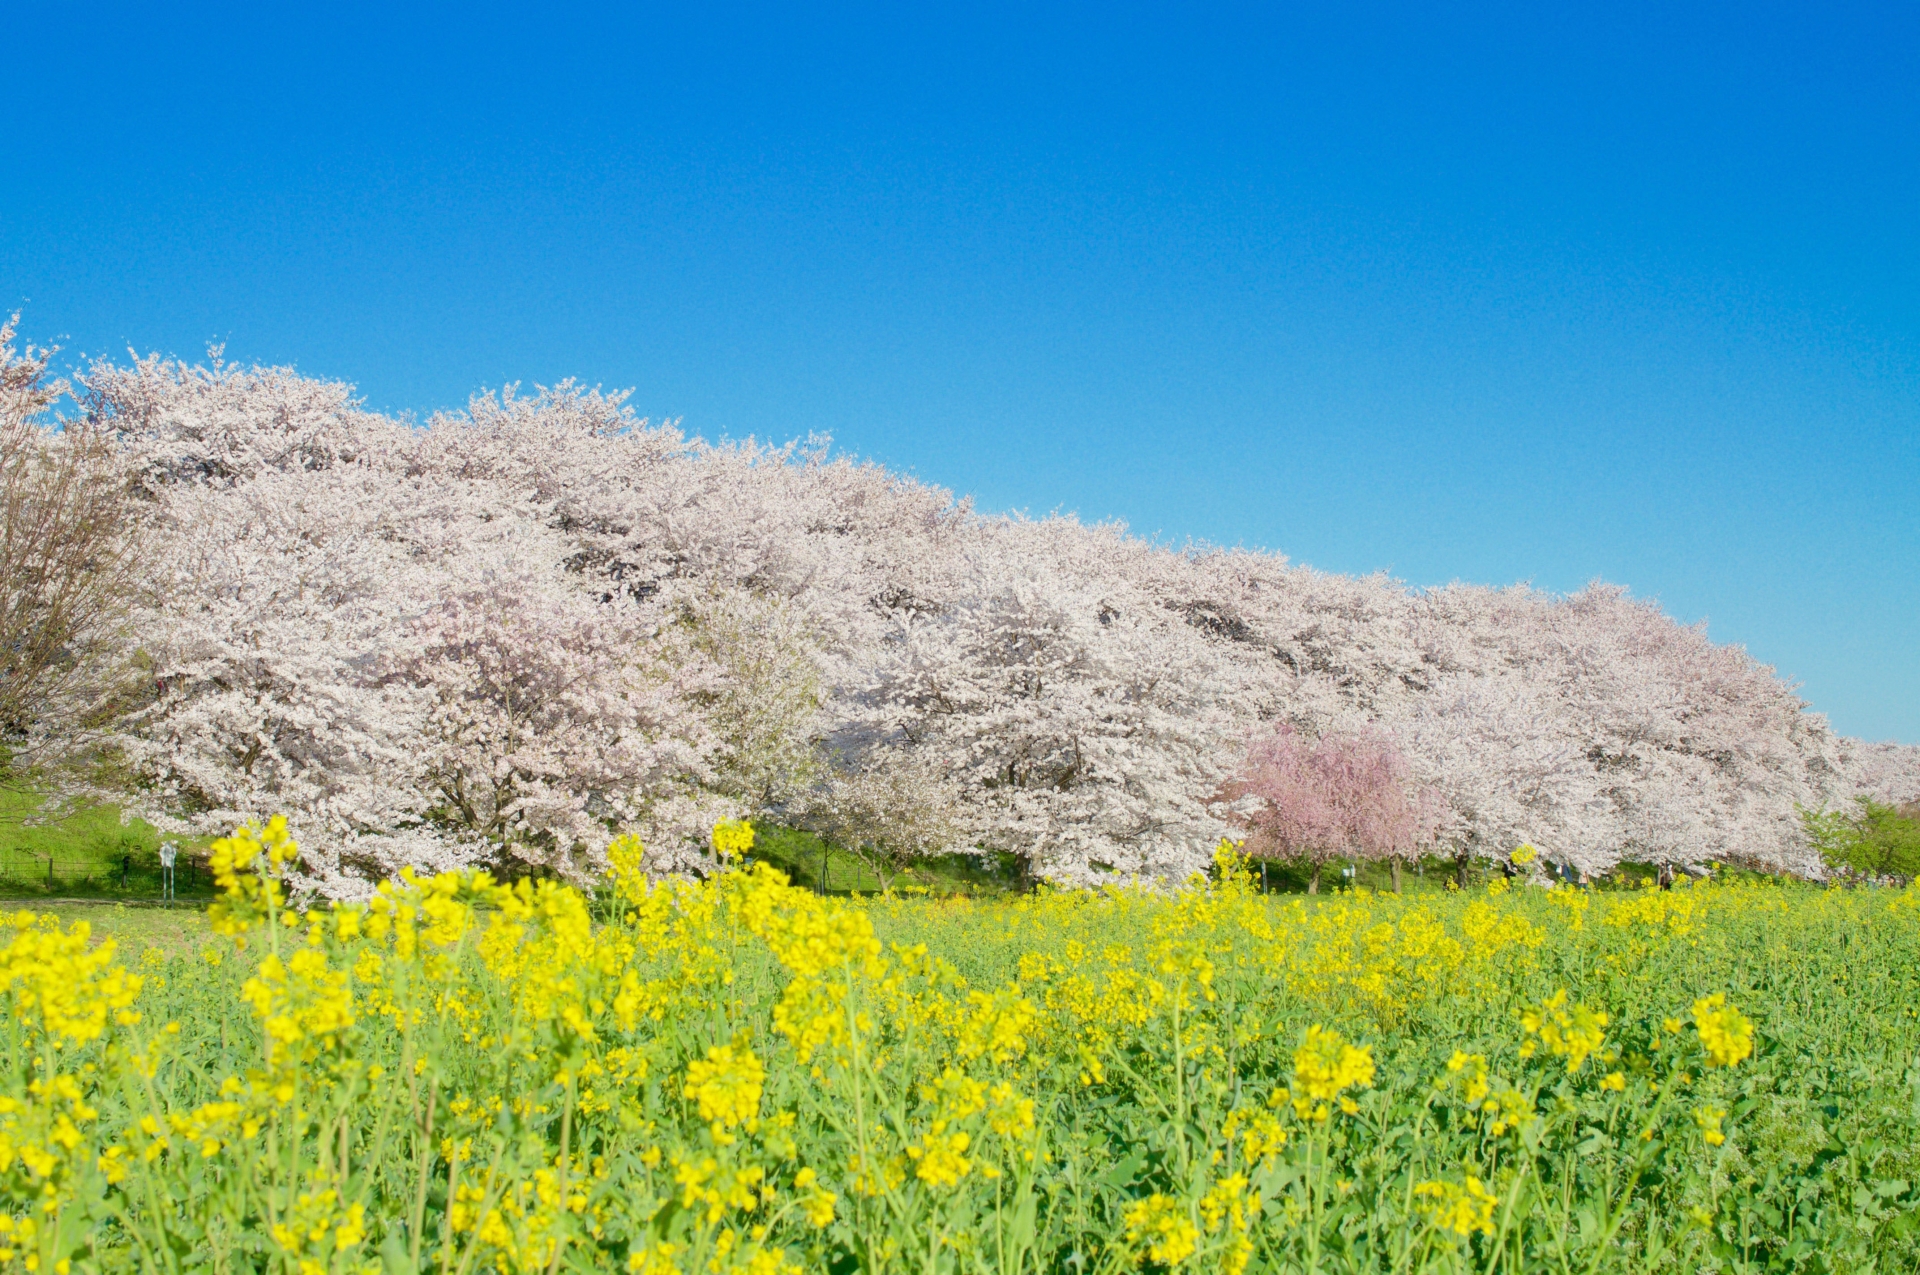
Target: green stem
column 446, row 1218
column 566, row 1163
column 1316, row 1169
column 425, row 1162
column 156, row 1110
column 495, row 1188
column 1179, row 1084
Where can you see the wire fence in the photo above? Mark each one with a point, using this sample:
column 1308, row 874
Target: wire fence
column 116, row 874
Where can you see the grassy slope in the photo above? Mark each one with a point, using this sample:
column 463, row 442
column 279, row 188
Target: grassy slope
column 88, row 850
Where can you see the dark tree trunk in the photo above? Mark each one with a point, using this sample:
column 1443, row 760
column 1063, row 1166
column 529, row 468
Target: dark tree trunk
column 1313, row 882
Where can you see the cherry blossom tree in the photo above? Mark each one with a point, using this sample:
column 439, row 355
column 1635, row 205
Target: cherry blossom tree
column 889, row 815
column 522, row 628
column 547, row 726
column 1885, row 772
column 1348, row 795
column 68, row 570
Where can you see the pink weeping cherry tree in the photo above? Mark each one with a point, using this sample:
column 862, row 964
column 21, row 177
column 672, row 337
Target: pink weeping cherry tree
column 1342, row 795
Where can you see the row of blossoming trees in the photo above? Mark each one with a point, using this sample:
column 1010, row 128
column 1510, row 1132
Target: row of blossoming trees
column 513, row 632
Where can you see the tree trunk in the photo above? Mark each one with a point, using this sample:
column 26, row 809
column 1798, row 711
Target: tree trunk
column 1463, row 859
column 1313, row 882
column 1395, row 860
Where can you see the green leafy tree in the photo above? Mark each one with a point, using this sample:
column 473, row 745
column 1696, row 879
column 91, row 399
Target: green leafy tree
column 1875, row 838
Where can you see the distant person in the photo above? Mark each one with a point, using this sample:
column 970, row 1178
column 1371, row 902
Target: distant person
column 168, row 851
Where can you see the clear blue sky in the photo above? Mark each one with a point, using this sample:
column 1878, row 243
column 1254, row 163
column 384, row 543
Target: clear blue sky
column 1456, row 293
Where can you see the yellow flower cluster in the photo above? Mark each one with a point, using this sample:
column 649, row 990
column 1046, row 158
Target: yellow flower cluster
column 59, row 983
column 1724, row 1031
column 303, row 1005
column 1325, row 1067
column 319, row 1230
column 725, row 1085
column 1164, row 1228
column 732, row 838
column 1575, row 1034
column 1458, row 1209
column 1501, row 1106
column 247, row 868
column 737, row 1077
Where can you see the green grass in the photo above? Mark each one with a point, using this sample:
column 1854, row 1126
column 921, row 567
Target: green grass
column 1153, row 1035
column 814, row 864
column 800, row 855
column 96, row 855
column 175, row 929
column 92, row 853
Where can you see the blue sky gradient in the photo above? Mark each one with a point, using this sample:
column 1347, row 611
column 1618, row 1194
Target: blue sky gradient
column 1487, row 293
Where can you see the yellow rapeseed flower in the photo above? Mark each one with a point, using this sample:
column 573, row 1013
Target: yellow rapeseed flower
column 1009, row 1115
column 1726, row 1033
column 725, row 1085
column 1162, row 1224
column 60, row 986
column 940, row 1158
column 302, row 1004
column 1458, row 1209
column 1324, row 1068
column 1573, row 1034
column 815, row 1201
column 653, row 1257
column 1472, row 1071
column 999, row 1025
column 246, row 870
column 732, row 838
column 1231, row 1206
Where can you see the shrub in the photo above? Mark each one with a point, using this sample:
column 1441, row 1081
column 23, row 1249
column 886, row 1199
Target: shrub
column 1875, row 839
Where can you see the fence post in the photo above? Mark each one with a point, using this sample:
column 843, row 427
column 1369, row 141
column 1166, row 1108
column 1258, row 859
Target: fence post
column 49, row 869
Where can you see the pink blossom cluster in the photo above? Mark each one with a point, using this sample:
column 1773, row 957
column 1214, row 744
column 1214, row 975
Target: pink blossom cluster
column 1339, row 796
column 515, row 631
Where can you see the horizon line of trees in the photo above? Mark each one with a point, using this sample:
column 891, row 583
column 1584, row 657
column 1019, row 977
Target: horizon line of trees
column 511, row 633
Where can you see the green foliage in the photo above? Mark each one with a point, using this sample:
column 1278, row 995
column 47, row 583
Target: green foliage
column 91, row 850
column 136, row 927
column 1874, row 839
column 814, row 863
column 739, row 1078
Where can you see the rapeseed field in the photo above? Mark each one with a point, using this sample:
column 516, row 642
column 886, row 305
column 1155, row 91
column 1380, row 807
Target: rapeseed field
column 738, row 1077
